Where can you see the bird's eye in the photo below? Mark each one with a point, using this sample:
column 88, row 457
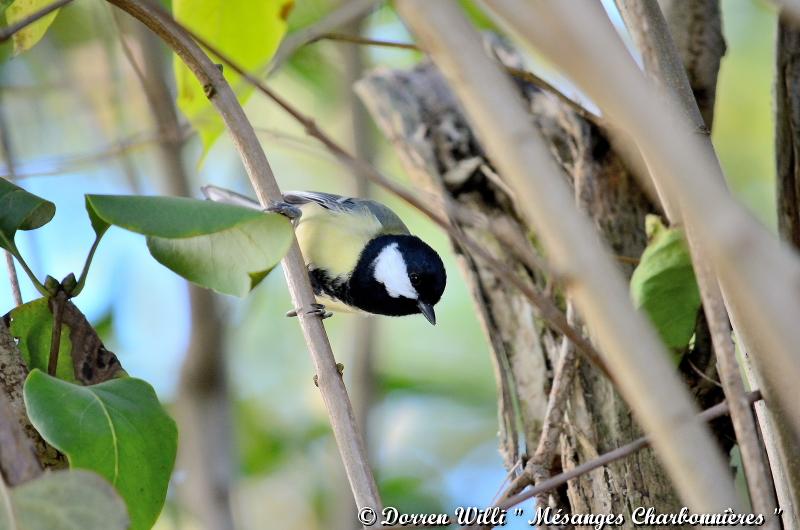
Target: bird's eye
column 414, row 277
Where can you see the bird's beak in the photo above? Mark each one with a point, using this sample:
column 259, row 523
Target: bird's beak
column 427, row 310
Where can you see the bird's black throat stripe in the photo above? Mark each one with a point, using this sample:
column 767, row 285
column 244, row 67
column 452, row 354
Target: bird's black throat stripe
column 335, row 287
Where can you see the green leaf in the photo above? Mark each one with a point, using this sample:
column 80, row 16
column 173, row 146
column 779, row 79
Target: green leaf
column 247, row 31
column 27, row 37
column 64, row 500
column 226, row 248
column 664, row 285
column 20, row 210
column 117, row 429
column 32, row 326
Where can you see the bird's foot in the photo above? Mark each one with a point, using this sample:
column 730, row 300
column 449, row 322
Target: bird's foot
column 316, row 309
column 339, row 368
column 285, row 209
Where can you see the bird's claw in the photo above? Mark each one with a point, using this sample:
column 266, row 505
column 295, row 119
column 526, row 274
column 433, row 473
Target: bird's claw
column 285, row 209
column 316, row 309
column 339, row 368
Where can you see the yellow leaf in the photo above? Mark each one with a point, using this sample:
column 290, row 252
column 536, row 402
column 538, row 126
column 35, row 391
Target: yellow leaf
column 247, row 31
column 27, row 37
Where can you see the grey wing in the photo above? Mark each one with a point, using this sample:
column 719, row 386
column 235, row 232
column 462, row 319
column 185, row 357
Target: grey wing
column 329, row 201
column 391, row 223
column 217, row 194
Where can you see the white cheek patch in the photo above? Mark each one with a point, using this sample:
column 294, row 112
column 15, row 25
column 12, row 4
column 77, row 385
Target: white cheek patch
column 390, row 270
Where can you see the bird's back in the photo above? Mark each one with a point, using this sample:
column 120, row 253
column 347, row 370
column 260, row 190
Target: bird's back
column 333, row 230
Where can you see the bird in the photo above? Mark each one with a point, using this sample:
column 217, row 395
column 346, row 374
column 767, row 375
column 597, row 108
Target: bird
column 359, row 254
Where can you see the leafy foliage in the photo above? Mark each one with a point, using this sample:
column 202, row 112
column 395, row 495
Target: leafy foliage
column 247, row 30
column 117, row 428
column 32, row 326
column 20, row 210
column 664, row 285
column 64, row 500
column 27, row 37
column 226, row 248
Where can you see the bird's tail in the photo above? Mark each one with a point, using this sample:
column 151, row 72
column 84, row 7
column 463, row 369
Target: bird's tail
column 225, row 196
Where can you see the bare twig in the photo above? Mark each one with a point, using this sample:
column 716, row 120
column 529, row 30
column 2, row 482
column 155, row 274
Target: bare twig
column 6, row 154
column 537, row 470
column 550, row 484
column 509, row 501
column 334, row 394
column 636, row 356
column 9, row 31
column 358, row 39
column 649, row 30
column 13, row 278
column 752, row 267
column 347, row 12
column 519, row 73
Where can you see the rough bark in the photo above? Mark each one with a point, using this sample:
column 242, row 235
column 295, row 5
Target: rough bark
column 417, row 111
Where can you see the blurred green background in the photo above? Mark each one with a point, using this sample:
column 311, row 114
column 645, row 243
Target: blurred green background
column 80, row 124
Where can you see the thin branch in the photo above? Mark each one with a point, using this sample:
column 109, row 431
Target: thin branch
column 634, row 353
column 13, row 278
column 519, row 73
column 712, row 413
column 347, row 12
column 509, row 501
column 752, row 267
column 651, row 34
column 5, row 154
column 548, row 311
column 358, row 39
column 9, row 31
column 334, row 394
column 537, row 470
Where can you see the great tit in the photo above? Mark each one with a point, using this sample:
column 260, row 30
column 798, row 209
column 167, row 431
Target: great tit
column 359, row 254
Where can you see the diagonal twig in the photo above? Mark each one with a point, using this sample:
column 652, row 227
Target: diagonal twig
column 519, row 73
column 9, row 31
column 5, row 145
column 717, row 411
column 334, row 394
column 709, row 414
column 649, row 29
column 645, row 377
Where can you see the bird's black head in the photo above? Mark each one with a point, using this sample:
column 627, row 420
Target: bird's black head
column 398, row 275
